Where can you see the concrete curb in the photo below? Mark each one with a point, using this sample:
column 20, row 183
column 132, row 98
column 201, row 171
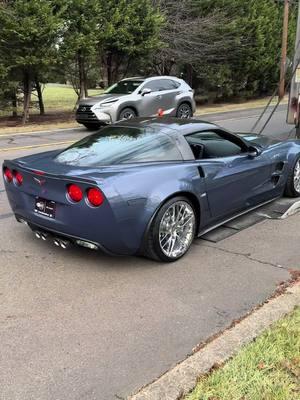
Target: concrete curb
column 183, row 377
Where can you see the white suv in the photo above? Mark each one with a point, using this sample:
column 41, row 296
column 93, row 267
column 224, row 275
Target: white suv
column 137, row 97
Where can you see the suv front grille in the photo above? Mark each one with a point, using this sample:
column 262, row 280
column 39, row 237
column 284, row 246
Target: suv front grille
column 84, row 112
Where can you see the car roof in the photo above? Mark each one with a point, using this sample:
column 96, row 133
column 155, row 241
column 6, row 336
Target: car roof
column 177, row 125
column 134, row 78
column 150, row 78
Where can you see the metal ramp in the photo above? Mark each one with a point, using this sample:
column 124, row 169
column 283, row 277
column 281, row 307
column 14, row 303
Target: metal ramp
column 278, row 209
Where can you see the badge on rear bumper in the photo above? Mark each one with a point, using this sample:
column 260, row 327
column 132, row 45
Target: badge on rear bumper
column 45, row 207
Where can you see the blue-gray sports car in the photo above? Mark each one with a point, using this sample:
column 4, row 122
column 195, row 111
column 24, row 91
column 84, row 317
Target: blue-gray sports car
column 149, row 186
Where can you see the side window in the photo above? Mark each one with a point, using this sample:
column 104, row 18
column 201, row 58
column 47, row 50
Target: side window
column 155, row 86
column 213, row 145
column 175, row 85
column 168, row 84
column 158, row 85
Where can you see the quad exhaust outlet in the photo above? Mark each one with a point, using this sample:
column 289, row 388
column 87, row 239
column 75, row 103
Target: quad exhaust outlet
column 63, row 243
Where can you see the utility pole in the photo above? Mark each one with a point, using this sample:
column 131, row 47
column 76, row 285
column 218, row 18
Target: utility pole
column 281, row 90
column 293, row 109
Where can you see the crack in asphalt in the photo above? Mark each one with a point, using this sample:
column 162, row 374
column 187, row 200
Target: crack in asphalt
column 248, row 256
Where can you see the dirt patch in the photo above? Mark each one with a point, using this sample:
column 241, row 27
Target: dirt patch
column 36, row 119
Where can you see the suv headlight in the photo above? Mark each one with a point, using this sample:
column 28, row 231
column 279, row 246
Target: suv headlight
column 106, row 104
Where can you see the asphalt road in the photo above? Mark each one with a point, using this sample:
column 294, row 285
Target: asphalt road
column 77, row 324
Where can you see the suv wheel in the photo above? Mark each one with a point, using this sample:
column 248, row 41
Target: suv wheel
column 184, row 111
column 127, row 113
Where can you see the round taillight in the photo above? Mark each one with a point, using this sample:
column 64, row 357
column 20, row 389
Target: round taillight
column 18, row 178
column 8, row 175
column 75, row 193
column 95, row 197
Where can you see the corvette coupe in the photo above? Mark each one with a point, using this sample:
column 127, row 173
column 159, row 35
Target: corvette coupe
column 149, row 186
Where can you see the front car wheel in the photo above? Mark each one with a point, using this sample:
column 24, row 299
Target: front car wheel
column 172, row 231
column 127, row 113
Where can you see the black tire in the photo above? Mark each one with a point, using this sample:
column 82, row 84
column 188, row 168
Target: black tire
column 127, row 113
column 184, row 111
column 92, row 127
column 291, row 189
column 153, row 248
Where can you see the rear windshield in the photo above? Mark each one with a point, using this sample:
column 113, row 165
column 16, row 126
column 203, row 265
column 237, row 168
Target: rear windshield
column 120, row 145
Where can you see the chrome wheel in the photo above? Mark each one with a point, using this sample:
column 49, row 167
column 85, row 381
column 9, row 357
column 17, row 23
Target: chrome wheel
column 177, row 229
column 297, row 177
column 184, row 111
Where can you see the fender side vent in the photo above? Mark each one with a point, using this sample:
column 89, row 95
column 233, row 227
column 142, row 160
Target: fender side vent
column 201, row 172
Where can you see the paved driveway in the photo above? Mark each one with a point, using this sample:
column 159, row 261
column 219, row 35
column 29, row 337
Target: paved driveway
column 81, row 325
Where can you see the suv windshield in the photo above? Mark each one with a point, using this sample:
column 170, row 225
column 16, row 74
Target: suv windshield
column 119, row 145
column 124, row 87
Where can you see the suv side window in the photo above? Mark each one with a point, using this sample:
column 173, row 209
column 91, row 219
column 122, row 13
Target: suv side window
column 158, row 85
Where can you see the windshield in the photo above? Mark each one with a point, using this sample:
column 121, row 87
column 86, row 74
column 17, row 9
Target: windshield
column 124, row 87
column 119, row 145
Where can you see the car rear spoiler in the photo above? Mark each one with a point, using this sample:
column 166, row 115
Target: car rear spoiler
column 19, row 166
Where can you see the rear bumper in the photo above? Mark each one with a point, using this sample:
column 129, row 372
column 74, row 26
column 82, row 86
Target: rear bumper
column 110, row 231
column 57, row 234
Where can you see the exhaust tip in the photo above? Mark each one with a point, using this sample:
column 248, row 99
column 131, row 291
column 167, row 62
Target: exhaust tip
column 64, row 244
column 56, row 242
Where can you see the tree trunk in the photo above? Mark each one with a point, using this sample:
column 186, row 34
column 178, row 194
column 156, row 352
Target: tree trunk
column 109, row 69
column 14, row 103
column 189, row 77
column 40, row 96
column 81, row 75
column 86, row 93
column 27, row 86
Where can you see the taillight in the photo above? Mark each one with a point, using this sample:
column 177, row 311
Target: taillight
column 95, row 197
column 75, row 192
column 18, row 178
column 8, row 175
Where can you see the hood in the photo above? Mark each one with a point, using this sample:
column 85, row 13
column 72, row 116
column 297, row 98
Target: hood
column 102, row 98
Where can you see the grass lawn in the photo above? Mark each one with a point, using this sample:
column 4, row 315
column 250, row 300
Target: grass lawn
column 62, row 97
column 266, row 369
column 57, row 98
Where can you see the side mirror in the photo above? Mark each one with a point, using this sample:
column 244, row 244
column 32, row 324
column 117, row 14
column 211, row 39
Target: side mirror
column 254, row 151
column 145, row 91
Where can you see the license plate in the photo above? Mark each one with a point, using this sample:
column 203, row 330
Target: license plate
column 45, row 207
